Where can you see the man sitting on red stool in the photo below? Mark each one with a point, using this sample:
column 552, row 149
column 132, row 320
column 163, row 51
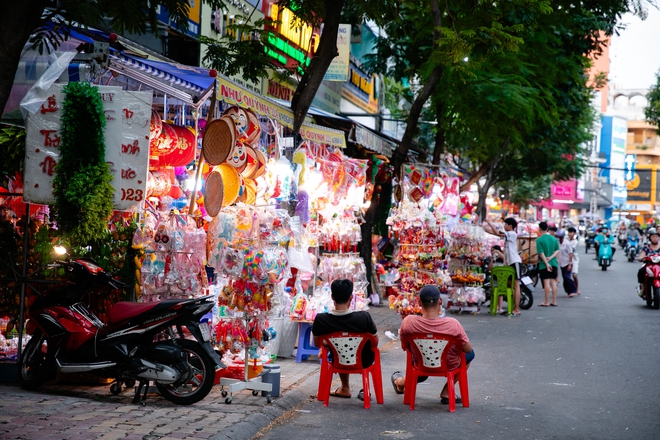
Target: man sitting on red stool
column 343, row 319
column 432, row 322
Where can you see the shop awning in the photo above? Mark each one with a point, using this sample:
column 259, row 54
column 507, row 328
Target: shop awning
column 190, row 84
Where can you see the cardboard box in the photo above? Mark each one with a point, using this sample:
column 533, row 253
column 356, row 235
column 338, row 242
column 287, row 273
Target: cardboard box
column 527, row 249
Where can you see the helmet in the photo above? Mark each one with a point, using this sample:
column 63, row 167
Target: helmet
column 653, row 231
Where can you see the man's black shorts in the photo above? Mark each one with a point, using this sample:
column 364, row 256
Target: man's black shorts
column 546, row 274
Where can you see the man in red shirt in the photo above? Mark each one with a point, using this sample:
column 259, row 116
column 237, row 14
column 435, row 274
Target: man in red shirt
column 431, row 322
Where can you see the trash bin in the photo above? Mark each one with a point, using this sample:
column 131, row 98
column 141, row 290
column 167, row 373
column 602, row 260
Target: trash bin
column 272, row 377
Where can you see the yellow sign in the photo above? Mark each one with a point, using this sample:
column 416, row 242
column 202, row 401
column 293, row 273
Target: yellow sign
column 233, row 94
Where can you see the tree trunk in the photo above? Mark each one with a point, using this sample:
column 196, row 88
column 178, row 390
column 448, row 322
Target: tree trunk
column 366, row 230
column 326, row 52
column 483, row 195
column 21, row 19
column 439, row 137
column 486, row 167
column 401, row 152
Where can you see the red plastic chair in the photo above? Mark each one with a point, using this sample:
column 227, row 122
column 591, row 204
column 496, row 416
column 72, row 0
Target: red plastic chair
column 346, row 349
column 432, row 350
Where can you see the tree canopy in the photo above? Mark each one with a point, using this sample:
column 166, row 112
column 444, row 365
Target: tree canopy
column 652, row 110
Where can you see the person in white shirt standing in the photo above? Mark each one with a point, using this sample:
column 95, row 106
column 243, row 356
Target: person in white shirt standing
column 565, row 260
column 574, row 241
column 511, row 256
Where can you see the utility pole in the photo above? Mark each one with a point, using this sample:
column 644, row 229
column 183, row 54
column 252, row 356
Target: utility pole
column 596, row 184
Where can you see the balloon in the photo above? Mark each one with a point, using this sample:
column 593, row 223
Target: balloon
column 176, row 192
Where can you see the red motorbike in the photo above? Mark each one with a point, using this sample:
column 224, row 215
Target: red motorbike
column 652, row 281
column 141, row 342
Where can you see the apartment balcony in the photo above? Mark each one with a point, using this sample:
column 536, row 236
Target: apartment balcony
column 642, row 139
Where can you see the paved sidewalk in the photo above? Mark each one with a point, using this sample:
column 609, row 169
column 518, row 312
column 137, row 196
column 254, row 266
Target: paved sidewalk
column 65, row 411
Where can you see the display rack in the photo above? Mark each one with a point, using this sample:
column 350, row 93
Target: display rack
column 458, row 308
column 255, row 384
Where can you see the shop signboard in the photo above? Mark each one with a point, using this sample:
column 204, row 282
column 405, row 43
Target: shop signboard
column 373, row 142
column 565, row 192
column 134, row 148
column 360, row 88
column 194, row 15
column 338, row 69
column 641, row 189
column 280, row 90
column 235, row 95
column 328, row 97
column 291, row 42
column 126, row 137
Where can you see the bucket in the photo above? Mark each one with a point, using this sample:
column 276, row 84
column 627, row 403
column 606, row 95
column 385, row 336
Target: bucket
column 272, row 376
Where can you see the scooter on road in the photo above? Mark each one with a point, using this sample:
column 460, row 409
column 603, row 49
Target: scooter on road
column 632, row 248
column 605, row 252
column 651, row 291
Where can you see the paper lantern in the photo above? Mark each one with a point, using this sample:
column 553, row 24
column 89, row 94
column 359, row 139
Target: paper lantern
column 184, row 153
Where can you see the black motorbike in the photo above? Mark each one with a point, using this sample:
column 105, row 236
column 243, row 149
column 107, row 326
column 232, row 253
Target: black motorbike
column 590, row 241
column 526, row 289
column 141, row 342
column 528, row 281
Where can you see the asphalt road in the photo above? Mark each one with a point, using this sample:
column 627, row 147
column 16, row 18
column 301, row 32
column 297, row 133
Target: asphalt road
column 587, row 369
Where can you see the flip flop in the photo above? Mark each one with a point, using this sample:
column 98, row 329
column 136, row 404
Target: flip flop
column 334, row 393
column 553, row 305
column 543, row 305
column 361, row 395
column 396, row 375
column 445, row 400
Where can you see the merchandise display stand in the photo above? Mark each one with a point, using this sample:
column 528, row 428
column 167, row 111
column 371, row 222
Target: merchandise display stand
column 255, row 384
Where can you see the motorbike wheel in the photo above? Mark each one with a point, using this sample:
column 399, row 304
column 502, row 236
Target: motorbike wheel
column 201, row 382
column 526, row 298
column 649, row 295
column 603, row 266
column 35, row 365
column 586, row 248
column 656, row 298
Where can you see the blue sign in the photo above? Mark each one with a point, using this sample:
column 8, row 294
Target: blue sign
column 630, row 166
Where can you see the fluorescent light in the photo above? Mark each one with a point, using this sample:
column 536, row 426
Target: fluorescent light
column 568, row 202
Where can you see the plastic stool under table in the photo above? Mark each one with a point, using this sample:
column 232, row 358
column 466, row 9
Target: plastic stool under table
column 306, row 346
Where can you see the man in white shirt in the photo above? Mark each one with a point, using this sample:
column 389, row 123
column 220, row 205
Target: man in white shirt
column 511, row 256
column 574, row 241
column 565, row 260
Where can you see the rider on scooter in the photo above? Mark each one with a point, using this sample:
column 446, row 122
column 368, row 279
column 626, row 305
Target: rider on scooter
column 604, row 240
column 653, row 248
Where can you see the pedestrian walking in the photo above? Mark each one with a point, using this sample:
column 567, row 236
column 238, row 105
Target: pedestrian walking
column 574, row 242
column 548, row 248
column 565, row 260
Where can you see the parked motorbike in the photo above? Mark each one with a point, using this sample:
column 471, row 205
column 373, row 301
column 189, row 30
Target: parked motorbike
column 526, row 284
column 590, row 241
column 632, row 248
column 142, row 342
column 652, row 281
column 605, row 253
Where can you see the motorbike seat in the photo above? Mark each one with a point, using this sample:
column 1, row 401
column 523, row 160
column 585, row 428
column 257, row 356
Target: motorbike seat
column 124, row 310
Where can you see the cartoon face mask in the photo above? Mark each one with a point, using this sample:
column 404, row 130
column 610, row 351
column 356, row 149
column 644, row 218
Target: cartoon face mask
column 238, row 157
